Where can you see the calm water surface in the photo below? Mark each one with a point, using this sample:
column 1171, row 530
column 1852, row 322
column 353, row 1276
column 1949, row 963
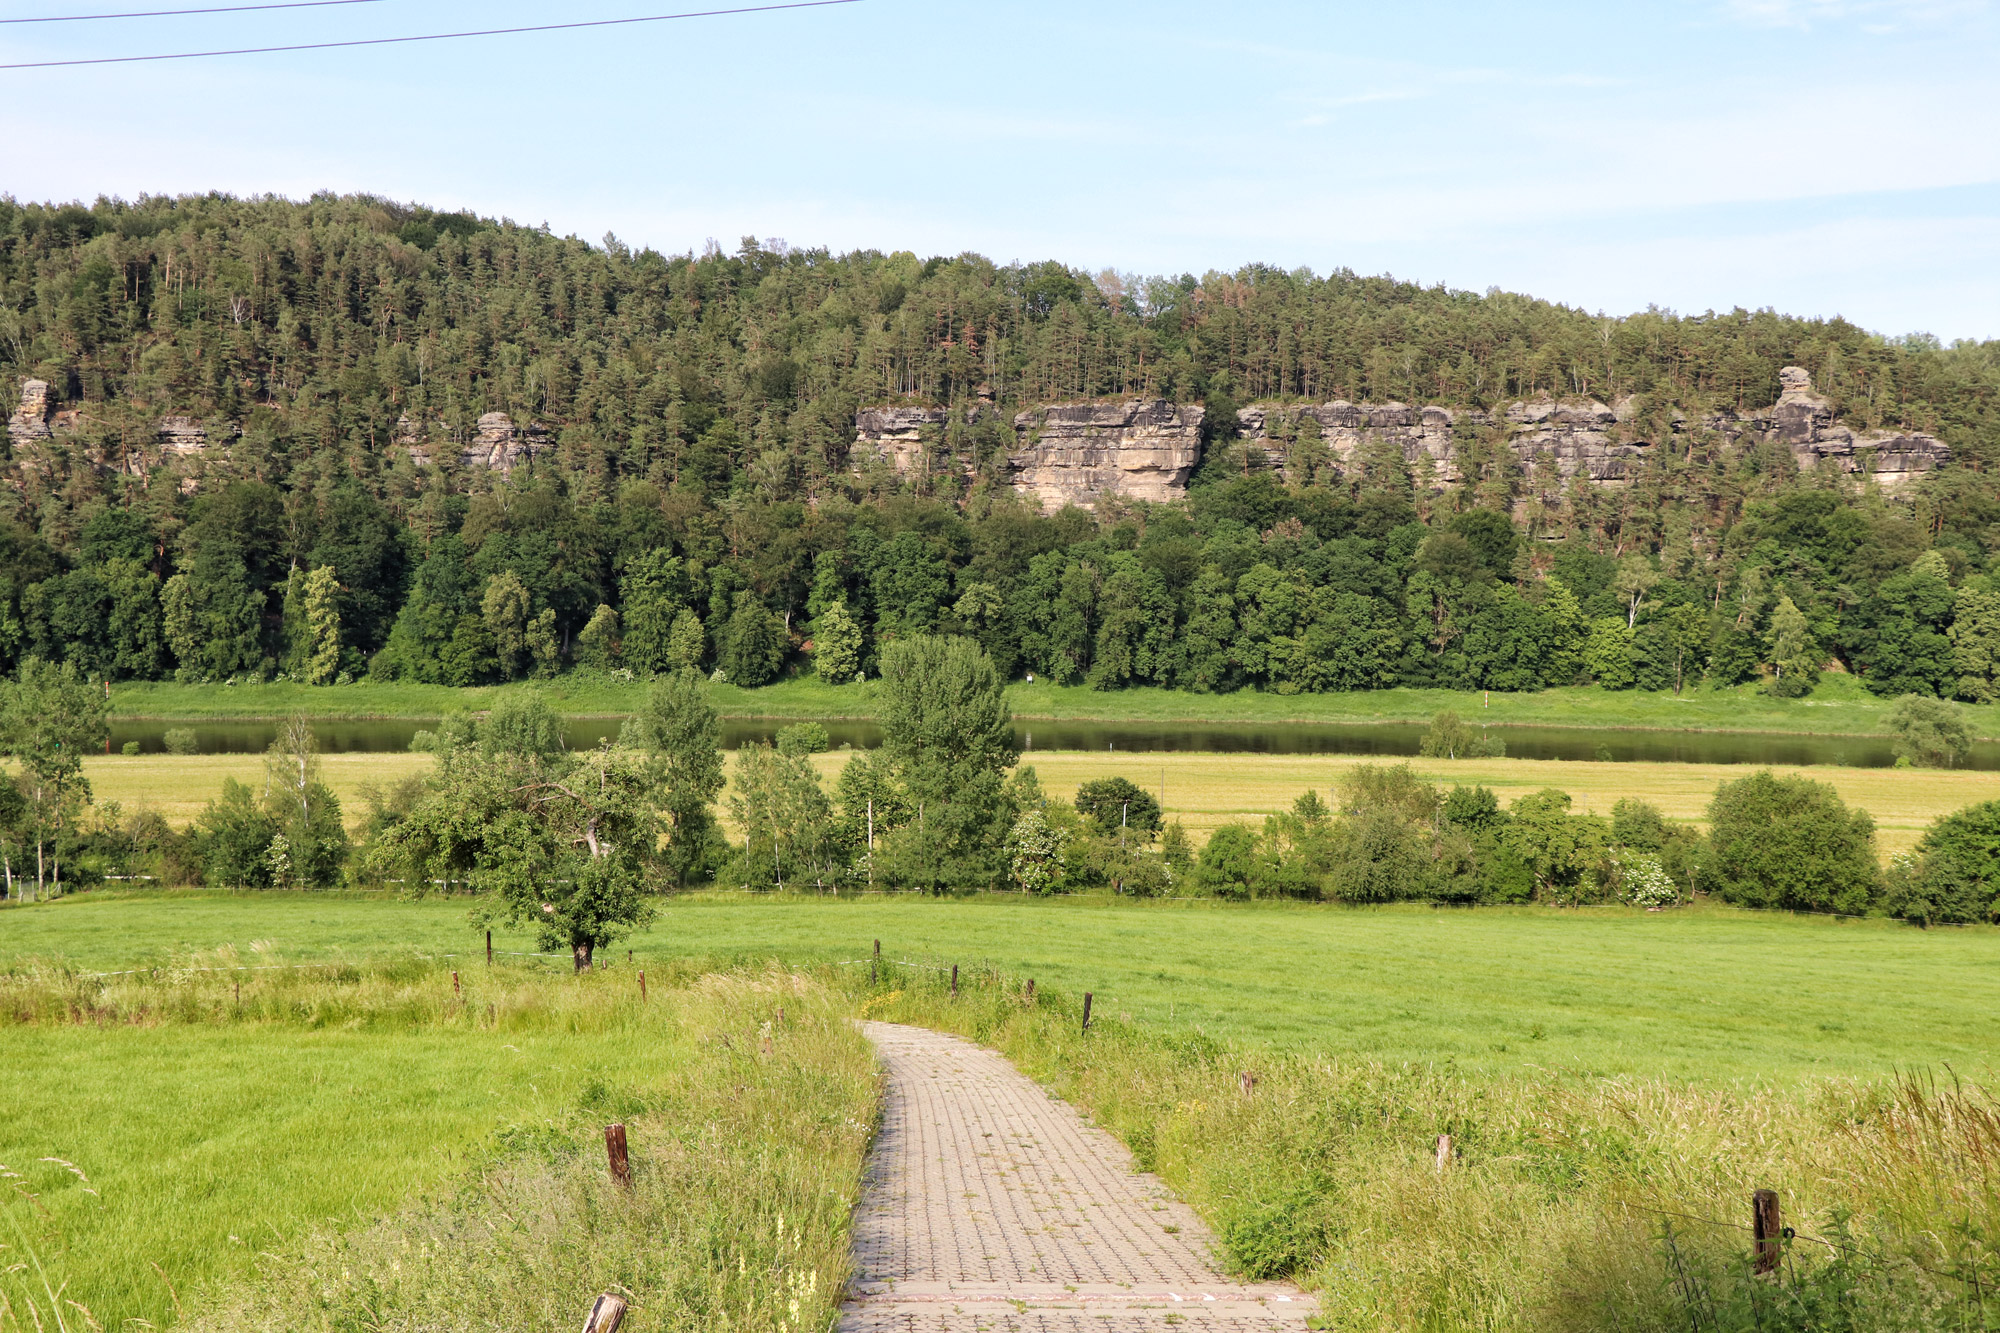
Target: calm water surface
column 1388, row 739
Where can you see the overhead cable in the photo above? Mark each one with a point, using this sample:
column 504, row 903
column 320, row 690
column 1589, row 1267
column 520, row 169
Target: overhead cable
column 176, row 13
column 429, row 36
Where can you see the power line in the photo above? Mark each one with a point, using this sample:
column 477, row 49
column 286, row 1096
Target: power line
column 176, row 13
column 430, row 36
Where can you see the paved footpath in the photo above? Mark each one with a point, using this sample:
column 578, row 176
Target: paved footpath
column 990, row 1205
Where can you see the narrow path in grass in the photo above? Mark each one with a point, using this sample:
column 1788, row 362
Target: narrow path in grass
column 991, row 1205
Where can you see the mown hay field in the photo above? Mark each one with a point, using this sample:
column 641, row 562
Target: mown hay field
column 1202, row 790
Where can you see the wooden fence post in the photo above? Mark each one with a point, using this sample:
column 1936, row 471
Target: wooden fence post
column 1086, row 1011
column 642, row 985
column 606, row 1314
column 455, row 992
column 1768, row 1225
column 875, row 963
column 614, row 1152
column 954, row 981
column 489, row 948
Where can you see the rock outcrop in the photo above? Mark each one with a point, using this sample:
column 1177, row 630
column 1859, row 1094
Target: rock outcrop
column 181, row 437
column 497, row 443
column 1075, row 453
column 894, row 435
column 31, row 419
column 503, row 446
column 1803, row 421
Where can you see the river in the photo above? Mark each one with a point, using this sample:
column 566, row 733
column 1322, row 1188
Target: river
column 1389, row 739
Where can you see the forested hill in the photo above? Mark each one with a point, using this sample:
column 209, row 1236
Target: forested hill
column 249, row 455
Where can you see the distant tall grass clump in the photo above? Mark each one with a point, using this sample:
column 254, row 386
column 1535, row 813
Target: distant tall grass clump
column 747, row 1097
column 1563, row 1201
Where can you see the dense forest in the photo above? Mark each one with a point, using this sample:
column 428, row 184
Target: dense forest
column 696, row 504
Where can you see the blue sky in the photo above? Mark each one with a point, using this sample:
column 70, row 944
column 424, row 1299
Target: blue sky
column 1821, row 156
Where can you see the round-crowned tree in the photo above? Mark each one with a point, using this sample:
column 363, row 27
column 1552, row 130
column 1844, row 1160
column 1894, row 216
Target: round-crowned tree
column 1954, row 875
column 1930, row 733
column 1791, row 843
column 1115, row 803
column 1228, row 862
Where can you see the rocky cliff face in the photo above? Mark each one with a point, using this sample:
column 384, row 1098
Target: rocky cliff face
column 1577, row 437
column 1067, row 453
column 1584, row 437
column 1803, row 420
column 1076, row 453
column 894, row 435
column 181, row 437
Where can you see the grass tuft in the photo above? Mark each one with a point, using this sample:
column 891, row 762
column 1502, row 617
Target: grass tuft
column 1566, row 1202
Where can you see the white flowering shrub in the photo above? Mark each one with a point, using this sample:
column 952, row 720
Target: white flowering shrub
column 1037, row 852
column 1645, row 883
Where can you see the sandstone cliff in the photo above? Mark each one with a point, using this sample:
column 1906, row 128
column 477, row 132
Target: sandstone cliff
column 894, row 435
column 501, row 445
column 182, row 437
column 1076, row 453
column 1066, row 453
column 1584, row 437
column 497, row 443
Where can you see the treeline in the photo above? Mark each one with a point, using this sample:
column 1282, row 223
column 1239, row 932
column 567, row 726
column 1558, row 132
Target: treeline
column 698, row 508
column 579, row 843
column 1250, row 584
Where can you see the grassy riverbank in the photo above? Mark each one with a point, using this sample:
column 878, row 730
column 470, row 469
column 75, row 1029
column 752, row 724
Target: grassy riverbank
column 1839, row 707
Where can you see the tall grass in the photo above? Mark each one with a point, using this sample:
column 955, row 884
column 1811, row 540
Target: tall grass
column 1566, row 1202
column 748, row 1103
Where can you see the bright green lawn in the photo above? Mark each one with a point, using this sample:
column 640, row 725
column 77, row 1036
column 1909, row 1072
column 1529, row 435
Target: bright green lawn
column 209, row 1144
column 1840, row 706
column 1699, row 993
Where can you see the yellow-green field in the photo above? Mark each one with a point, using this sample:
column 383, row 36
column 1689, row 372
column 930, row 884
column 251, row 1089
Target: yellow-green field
column 1202, row 790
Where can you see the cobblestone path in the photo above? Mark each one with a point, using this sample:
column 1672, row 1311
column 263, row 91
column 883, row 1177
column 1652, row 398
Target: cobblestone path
column 990, row 1205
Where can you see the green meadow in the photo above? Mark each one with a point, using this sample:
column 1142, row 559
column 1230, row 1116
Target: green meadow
column 351, row 1142
column 286, row 1148
column 1699, row 993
